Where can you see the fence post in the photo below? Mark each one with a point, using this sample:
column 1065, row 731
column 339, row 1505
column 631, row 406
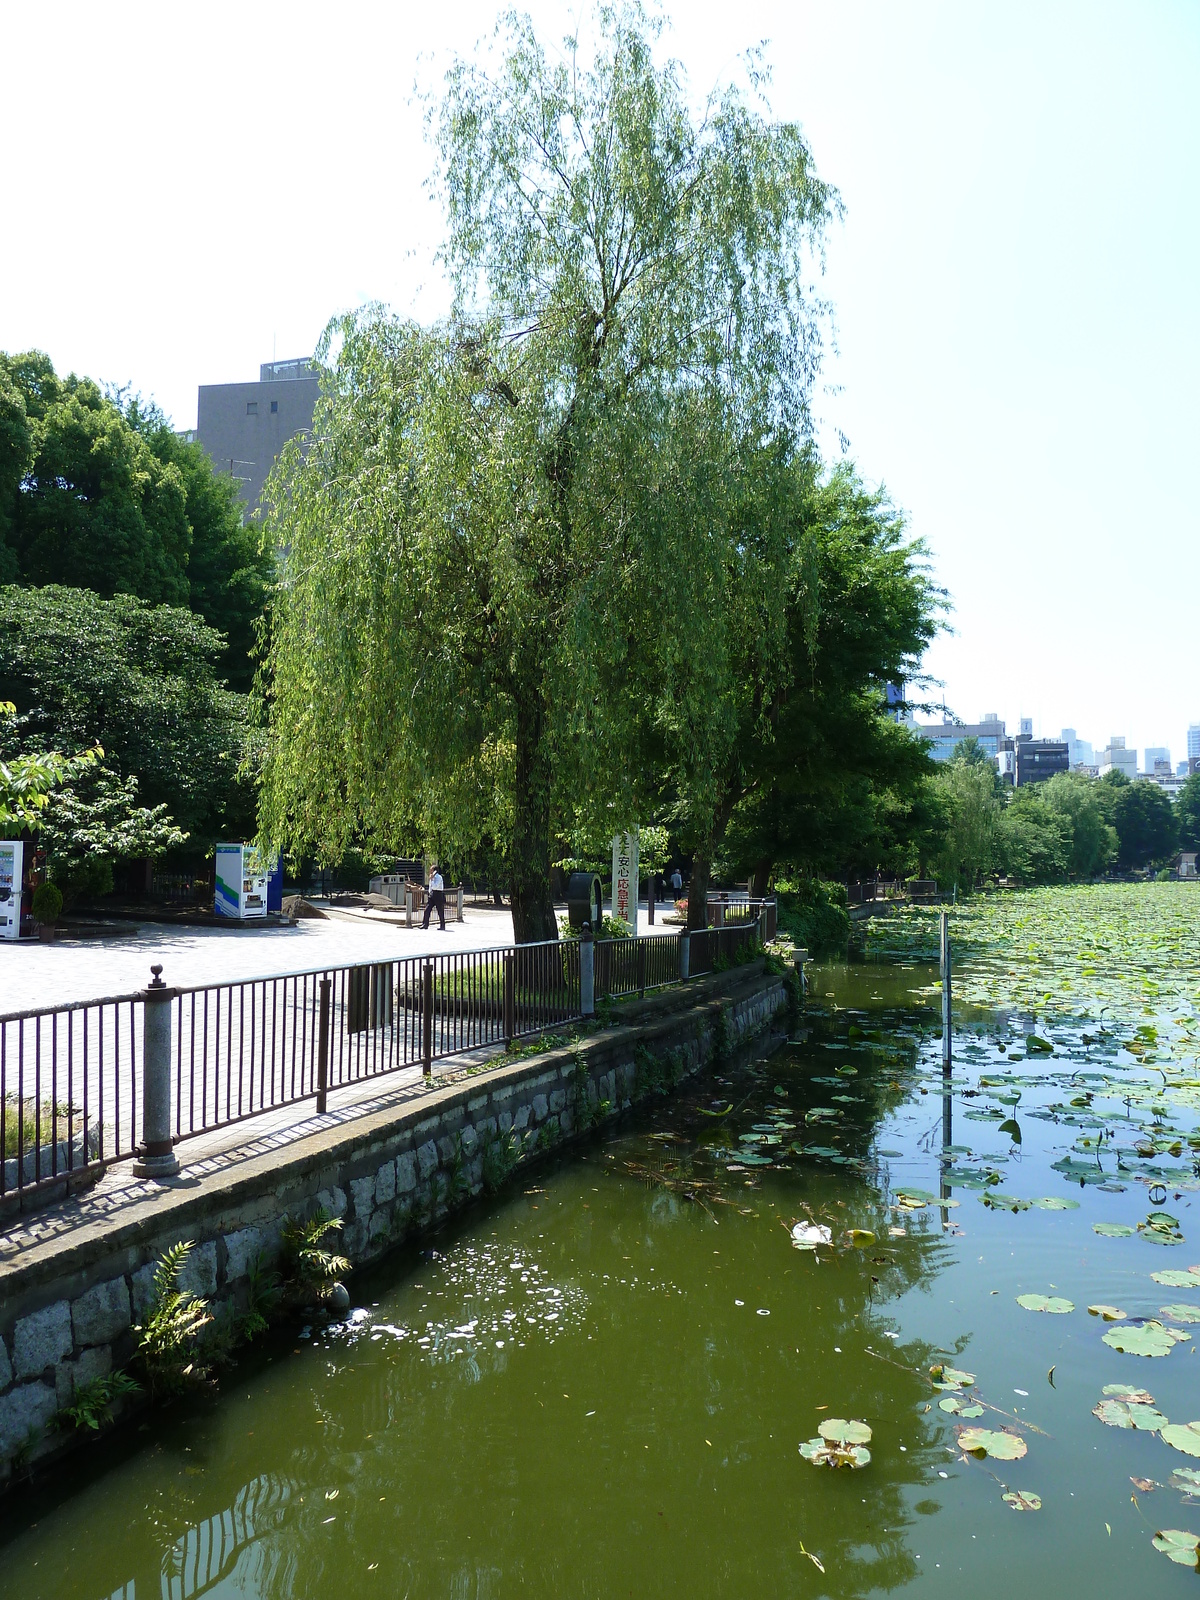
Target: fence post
column 685, row 950
column 427, row 1019
column 156, row 1154
column 641, row 970
column 510, row 1002
column 323, row 1047
column 408, row 902
column 650, row 899
column 587, row 973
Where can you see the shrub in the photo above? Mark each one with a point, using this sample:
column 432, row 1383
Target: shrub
column 166, row 1340
column 47, row 903
column 813, row 914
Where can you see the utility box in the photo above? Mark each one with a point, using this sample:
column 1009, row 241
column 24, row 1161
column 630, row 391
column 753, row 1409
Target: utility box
column 585, row 901
column 12, row 870
column 241, row 891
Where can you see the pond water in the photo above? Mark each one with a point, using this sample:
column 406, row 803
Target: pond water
column 598, row 1383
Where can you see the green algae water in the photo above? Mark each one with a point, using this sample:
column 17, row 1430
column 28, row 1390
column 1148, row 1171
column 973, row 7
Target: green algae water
column 599, row 1382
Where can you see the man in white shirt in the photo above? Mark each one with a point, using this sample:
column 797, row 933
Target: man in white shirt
column 437, row 899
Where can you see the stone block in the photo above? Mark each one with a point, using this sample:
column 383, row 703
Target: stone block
column 242, row 1250
column 427, row 1158
column 5, row 1367
column 71, row 1376
column 362, row 1192
column 333, row 1201
column 521, row 1120
column 558, row 1099
column 42, row 1340
column 380, row 1225
column 469, row 1141
column 199, row 1274
column 385, row 1184
column 486, row 1129
column 24, row 1411
column 143, row 1289
column 406, row 1172
column 448, row 1149
column 541, row 1107
column 354, row 1238
column 505, row 1121
column 102, row 1314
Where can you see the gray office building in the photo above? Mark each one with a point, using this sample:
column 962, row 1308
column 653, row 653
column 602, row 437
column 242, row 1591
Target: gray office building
column 244, row 426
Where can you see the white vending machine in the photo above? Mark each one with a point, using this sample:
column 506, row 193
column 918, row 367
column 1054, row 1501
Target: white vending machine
column 241, row 890
column 12, row 867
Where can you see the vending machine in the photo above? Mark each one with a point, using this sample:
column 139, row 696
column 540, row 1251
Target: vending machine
column 241, row 890
column 12, row 867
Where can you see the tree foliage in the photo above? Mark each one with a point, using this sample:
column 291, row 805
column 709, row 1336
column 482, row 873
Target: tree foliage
column 138, row 680
column 29, row 778
column 505, row 528
column 97, row 492
column 95, row 822
column 1187, row 813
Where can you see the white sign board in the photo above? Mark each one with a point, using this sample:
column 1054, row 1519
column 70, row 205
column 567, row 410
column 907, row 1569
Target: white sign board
column 12, row 866
column 625, row 878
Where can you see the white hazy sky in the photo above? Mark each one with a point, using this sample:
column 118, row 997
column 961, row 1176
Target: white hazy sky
column 185, row 191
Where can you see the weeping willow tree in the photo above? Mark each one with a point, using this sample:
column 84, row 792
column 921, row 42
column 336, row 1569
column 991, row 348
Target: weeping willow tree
column 506, row 552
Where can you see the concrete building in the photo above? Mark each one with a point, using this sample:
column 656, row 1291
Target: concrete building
column 1194, row 742
column 1039, row 759
column 1156, row 758
column 945, row 737
column 1116, row 757
column 244, row 426
column 1079, row 750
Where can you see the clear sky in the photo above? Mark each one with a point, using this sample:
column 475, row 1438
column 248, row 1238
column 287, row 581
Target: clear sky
column 186, row 191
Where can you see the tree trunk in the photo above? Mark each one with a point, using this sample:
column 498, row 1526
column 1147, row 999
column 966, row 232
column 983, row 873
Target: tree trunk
column 760, row 878
column 698, row 891
column 532, row 904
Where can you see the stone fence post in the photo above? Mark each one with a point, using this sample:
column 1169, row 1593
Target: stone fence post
column 156, row 1154
column 685, row 951
column 587, row 972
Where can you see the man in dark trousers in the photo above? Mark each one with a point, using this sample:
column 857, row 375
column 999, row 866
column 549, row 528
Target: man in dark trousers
column 437, row 899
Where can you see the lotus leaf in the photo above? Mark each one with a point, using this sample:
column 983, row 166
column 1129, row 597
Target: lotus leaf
column 1004, row 1202
column 1109, row 1313
column 860, row 1238
column 1052, row 1303
column 1183, row 1436
column 1128, row 1391
column 837, row 1430
column 1123, row 1414
column 1141, row 1339
column 1113, row 1230
column 1178, row 1277
column 1178, row 1546
column 1053, row 1203
column 822, row 1454
column 1023, row 1500
column 951, row 1376
column 1185, row 1478
column 990, row 1442
column 1180, row 1313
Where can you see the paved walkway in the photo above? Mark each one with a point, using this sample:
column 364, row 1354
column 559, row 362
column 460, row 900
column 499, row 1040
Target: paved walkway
column 34, row 974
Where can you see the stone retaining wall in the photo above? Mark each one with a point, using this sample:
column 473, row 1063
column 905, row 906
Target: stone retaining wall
column 68, row 1306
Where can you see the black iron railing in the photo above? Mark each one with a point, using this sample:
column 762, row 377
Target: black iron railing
column 71, row 1077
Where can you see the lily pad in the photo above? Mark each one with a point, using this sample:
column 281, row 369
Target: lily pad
column 1178, row 1277
column 1183, row 1436
column 1052, row 1303
column 840, row 1431
column 1052, row 1202
column 1141, row 1339
column 1178, row 1546
column 1123, row 1414
column 823, row 1454
column 1182, row 1313
column 951, row 1375
column 1109, row 1313
column 1004, row 1202
column 960, row 1406
column 860, row 1238
column 1130, row 1392
column 991, row 1442
column 1023, row 1500
column 1185, row 1478
column 1113, row 1230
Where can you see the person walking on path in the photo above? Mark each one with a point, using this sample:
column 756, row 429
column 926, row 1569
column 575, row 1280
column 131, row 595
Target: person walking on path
column 437, row 899
column 676, row 884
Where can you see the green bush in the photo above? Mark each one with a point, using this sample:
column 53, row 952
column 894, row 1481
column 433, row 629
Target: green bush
column 47, row 903
column 813, row 914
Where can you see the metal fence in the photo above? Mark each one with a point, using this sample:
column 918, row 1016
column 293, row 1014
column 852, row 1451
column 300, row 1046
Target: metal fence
column 72, row 1084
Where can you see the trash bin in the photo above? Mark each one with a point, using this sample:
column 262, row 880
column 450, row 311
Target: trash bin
column 585, row 900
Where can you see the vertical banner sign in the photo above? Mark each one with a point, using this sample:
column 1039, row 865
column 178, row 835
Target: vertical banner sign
column 227, row 901
column 625, row 878
column 12, row 862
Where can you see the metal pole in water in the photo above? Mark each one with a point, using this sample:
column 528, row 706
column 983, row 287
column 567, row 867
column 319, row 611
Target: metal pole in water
column 947, row 1036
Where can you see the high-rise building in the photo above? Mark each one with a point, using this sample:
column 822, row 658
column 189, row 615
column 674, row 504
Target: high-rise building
column 1152, row 755
column 945, row 737
column 1115, row 757
column 244, row 426
column 1079, row 750
column 1039, row 759
column 1194, row 741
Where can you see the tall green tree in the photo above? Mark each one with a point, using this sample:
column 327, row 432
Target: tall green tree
column 1147, row 831
column 1093, row 838
column 493, row 517
column 139, row 681
column 970, row 793
column 1187, row 813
